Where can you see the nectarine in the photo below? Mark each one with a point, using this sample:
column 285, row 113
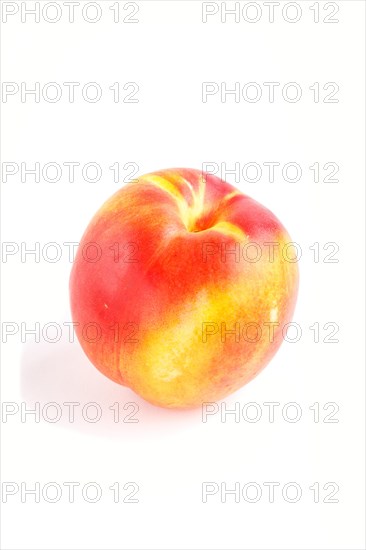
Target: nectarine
column 181, row 286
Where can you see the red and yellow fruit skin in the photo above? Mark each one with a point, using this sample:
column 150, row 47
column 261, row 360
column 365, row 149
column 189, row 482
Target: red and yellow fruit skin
column 157, row 293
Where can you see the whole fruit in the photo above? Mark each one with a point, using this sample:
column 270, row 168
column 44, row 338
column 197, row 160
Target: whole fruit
column 181, row 287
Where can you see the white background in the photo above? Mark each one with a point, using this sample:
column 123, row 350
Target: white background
column 169, row 53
